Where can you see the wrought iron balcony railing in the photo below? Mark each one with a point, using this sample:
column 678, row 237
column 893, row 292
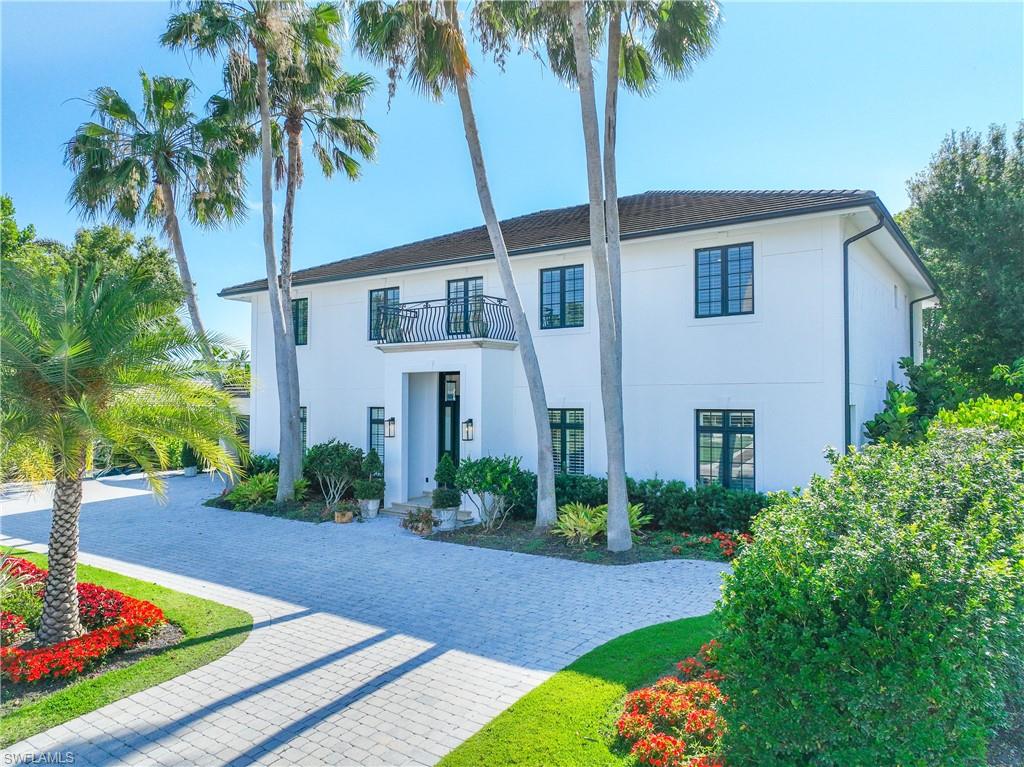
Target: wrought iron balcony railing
column 444, row 320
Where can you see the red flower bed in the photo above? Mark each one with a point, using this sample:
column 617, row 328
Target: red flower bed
column 11, row 627
column 115, row 621
column 675, row 722
column 31, row 573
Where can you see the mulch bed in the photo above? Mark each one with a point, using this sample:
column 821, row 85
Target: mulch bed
column 14, row 695
column 303, row 511
column 518, row 535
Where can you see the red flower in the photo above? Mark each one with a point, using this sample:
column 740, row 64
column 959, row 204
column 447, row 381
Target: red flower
column 677, row 549
column 632, row 727
column 11, row 627
column 30, row 572
column 660, row 750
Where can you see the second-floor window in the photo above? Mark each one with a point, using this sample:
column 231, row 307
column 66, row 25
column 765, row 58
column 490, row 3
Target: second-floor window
column 567, row 439
column 561, row 297
column 464, row 304
column 725, row 280
column 379, row 300
column 300, row 320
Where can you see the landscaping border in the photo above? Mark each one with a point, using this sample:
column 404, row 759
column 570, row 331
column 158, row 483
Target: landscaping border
column 210, row 629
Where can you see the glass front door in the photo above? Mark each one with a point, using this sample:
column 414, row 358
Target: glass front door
column 448, row 416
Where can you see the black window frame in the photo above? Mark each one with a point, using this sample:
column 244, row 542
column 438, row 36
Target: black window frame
column 372, row 422
column 301, row 338
column 563, row 321
column 303, row 427
column 459, row 310
column 728, row 431
column 564, row 426
column 723, row 308
column 377, row 334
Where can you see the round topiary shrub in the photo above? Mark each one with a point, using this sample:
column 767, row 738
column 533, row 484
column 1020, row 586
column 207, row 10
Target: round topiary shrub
column 876, row 618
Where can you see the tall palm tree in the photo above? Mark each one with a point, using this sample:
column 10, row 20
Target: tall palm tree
column 155, row 162
column 426, row 40
column 96, row 358
column 243, row 30
column 661, row 34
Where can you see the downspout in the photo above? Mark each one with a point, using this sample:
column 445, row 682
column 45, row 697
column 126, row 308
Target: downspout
column 916, row 301
column 848, row 430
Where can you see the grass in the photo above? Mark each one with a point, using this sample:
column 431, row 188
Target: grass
column 569, row 719
column 519, row 535
column 210, row 631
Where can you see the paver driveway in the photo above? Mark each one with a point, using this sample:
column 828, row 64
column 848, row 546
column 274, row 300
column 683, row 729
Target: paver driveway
column 370, row 646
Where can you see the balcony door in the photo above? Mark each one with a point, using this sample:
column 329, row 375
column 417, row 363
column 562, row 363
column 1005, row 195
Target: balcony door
column 448, row 416
column 464, row 304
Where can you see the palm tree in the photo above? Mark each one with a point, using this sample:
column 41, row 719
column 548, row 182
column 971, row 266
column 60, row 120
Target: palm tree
column 129, row 164
column 426, row 39
column 672, row 35
column 96, row 358
column 243, row 30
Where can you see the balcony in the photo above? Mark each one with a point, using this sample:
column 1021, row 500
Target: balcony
column 473, row 321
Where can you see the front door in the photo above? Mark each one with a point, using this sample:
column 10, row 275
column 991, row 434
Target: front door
column 448, row 416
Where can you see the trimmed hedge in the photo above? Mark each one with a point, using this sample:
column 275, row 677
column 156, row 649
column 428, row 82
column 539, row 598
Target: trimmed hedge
column 877, row 617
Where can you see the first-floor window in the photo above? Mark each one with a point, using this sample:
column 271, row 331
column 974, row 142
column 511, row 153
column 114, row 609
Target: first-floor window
column 302, row 427
column 376, row 436
column 300, row 320
column 567, row 439
column 725, row 448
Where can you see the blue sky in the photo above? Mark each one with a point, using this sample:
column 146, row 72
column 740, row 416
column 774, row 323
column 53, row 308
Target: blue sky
column 794, row 96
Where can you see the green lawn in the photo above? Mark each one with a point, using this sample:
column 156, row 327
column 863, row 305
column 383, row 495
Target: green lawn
column 569, row 720
column 211, row 630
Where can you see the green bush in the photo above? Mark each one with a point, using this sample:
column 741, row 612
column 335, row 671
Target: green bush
column 659, row 496
column 334, row 466
column 373, row 467
column 985, row 411
column 522, row 498
column 261, row 489
column 258, row 463
column 444, row 474
column 877, row 617
column 579, row 523
column 446, row 498
column 492, row 483
column 710, row 508
column 580, row 488
column 367, row 489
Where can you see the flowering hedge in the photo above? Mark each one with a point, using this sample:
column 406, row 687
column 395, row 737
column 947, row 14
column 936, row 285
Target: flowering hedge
column 675, row 722
column 114, row 621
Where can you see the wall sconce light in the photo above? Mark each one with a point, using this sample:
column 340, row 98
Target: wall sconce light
column 389, row 427
column 467, row 430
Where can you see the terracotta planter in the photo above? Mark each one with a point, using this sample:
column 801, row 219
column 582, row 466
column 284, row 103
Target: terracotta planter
column 343, row 517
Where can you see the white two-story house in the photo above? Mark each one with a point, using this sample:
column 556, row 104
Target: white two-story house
column 758, row 329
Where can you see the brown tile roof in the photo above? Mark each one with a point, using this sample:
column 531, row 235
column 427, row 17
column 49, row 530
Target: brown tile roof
column 639, row 214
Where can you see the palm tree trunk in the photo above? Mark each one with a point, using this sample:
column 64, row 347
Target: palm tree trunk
column 292, row 182
column 60, row 620
column 173, row 230
column 611, row 184
column 546, row 513
column 619, row 536
column 284, row 343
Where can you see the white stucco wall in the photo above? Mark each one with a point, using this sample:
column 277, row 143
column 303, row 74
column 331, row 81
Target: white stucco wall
column 785, row 361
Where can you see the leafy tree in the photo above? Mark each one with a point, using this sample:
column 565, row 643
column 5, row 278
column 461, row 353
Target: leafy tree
column 90, row 358
column 425, row 41
column 16, row 245
column 966, row 219
column 247, row 32
column 907, row 411
column 335, row 466
column 155, row 163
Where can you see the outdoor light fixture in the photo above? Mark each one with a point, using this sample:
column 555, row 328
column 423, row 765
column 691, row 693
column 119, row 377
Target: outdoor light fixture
column 389, row 427
column 467, row 430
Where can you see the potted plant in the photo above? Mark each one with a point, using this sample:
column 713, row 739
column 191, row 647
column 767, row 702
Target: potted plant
column 345, row 512
column 445, row 500
column 370, row 489
column 188, row 460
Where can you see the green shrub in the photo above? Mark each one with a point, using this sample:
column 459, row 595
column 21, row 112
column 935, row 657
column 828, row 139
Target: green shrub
column 373, row 467
column 579, row 523
column 491, row 483
column 444, row 474
column 446, row 498
column 26, row 601
column 367, row 489
column 188, row 456
column 711, row 508
column 580, row 488
column 261, row 489
column 876, row 619
column 522, row 498
column 986, row 412
column 334, row 466
column 259, row 463
column 659, row 496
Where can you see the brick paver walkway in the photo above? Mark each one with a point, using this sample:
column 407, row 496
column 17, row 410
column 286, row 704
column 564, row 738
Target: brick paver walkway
column 370, row 647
